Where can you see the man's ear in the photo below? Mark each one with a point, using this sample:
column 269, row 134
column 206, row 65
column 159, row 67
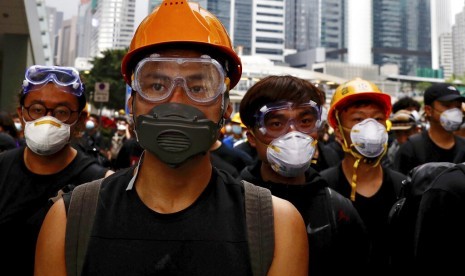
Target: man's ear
column 19, row 111
column 228, row 110
column 251, row 139
column 129, row 103
column 338, row 135
column 80, row 125
column 428, row 110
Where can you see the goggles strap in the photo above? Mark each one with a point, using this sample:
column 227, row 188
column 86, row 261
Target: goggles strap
column 315, row 155
column 222, row 111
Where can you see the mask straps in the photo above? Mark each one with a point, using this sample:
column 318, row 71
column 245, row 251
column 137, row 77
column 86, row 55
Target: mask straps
column 358, row 157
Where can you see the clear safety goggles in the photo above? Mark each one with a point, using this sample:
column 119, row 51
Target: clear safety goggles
column 276, row 120
column 155, row 78
column 37, row 76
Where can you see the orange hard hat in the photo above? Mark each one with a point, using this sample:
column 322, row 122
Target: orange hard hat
column 357, row 89
column 181, row 23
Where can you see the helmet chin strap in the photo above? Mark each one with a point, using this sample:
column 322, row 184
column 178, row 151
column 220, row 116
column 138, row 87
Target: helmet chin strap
column 358, row 157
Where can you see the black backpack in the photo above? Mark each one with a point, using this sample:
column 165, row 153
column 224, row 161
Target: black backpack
column 403, row 214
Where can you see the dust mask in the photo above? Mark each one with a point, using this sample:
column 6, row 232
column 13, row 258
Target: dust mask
column 46, row 135
column 290, row 154
column 369, row 138
column 451, row 119
column 121, row 127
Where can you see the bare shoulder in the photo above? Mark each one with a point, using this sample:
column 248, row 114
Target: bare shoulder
column 283, row 207
column 291, row 244
column 50, row 249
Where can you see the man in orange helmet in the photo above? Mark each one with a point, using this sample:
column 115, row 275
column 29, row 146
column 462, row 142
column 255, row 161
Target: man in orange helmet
column 175, row 214
column 358, row 114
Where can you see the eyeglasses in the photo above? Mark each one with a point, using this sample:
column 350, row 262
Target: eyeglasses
column 203, row 79
column 61, row 112
column 276, row 119
column 37, row 75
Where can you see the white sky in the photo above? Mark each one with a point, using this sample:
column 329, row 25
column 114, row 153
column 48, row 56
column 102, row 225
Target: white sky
column 456, row 7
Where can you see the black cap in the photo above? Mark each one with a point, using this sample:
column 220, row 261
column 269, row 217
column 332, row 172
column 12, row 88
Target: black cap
column 444, row 92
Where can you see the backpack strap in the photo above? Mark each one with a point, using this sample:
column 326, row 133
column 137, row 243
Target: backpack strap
column 461, row 166
column 260, row 227
column 80, row 220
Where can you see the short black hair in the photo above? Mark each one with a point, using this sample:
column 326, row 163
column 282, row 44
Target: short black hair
column 274, row 89
column 405, row 103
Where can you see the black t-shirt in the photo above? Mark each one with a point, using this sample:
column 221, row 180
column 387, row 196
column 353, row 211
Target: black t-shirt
column 207, row 238
column 24, row 201
column 374, row 212
column 336, row 234
column 420, row 149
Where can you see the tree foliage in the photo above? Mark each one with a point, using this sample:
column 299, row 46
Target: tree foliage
column 107, row 68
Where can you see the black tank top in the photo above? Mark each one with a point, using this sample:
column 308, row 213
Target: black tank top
column 207, row 238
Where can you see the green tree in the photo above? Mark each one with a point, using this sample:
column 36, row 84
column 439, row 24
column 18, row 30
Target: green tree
column 107, row 68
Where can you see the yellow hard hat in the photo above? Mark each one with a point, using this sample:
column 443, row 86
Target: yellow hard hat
column 182, row 23
column 236, row 118
column 357, row 89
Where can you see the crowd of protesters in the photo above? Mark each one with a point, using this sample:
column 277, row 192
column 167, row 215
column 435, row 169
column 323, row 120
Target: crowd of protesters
column 173, row 172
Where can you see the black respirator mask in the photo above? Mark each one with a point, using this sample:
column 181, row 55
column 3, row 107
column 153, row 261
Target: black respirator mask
column 175, row 132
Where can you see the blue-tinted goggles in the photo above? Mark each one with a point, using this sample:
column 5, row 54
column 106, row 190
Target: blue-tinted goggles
column 276, row 119
column 37, row 76
column 155, row 78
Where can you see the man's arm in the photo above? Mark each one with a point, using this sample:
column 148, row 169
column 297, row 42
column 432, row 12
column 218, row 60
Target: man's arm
column 291, row 244
column 50, row 249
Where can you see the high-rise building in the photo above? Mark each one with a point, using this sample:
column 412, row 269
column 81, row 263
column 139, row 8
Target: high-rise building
column 240, row 25
column 113, row 25
column 388, row 30
column 268, row 29
column 441, row 23
column 458, row 38
column 446, row 57
column 66, row 46
column 312, row 24
column 401, row 34
column 84, row 29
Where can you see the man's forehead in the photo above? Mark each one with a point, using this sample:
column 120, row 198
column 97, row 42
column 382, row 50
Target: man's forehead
column 368, row 109
column 179, row 53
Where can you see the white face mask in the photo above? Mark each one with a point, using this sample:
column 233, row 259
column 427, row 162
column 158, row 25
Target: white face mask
column 121, row 127
column 18, row 126
column 237, row 129
column 369, row 138
column 46, row 135
column 451, row 119
column 90, row 125
column 290, row 154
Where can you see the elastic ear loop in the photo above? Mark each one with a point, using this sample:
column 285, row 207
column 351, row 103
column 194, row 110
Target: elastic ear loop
column 276, row 149
column 222, row 120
